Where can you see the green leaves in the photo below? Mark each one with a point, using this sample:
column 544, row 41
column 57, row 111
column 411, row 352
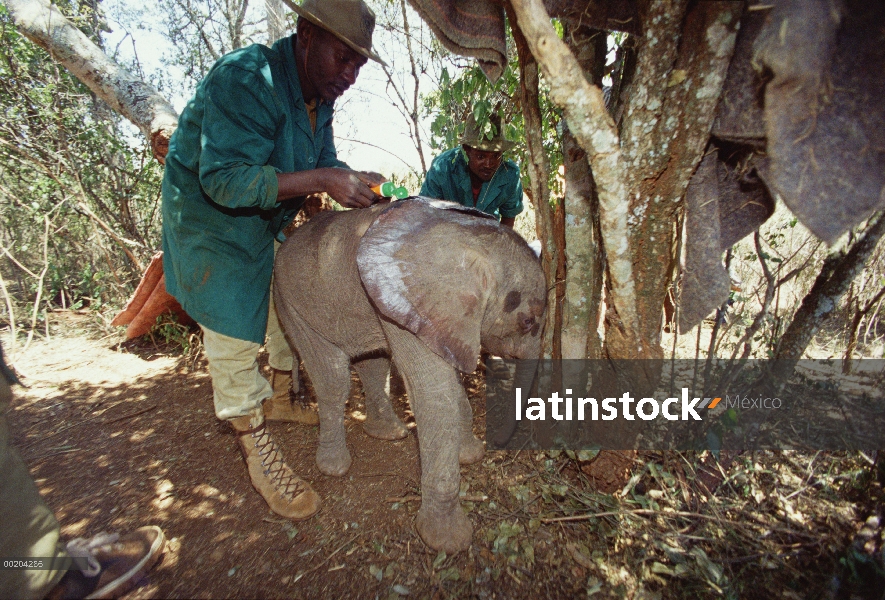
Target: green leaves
column 469, row 91
column 61, row 150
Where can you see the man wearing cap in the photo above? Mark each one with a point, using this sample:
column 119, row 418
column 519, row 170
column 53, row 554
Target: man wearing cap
column 255, row 139
column 477, row 175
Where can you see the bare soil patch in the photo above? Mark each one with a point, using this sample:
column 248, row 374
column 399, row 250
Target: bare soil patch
column 118, row 438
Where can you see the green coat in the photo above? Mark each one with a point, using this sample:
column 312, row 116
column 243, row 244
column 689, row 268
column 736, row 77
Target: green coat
column 449, row 179
column 246, row 123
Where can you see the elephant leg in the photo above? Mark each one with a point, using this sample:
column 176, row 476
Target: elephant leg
column 435, row 393
column 329, row 370
column 472, row 449
column 381, row 421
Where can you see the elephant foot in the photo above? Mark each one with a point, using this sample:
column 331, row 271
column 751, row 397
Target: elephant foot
column 472, row 450
column 333, row 460
column 385, row 429
column 449, row 531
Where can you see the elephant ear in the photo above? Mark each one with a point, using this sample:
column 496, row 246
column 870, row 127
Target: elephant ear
column 425, row 269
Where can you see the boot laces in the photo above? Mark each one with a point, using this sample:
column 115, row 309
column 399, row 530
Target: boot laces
column 275, row 466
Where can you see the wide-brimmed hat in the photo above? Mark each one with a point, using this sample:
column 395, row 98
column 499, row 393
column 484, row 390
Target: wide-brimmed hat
column 480, row 140
column 351, row 21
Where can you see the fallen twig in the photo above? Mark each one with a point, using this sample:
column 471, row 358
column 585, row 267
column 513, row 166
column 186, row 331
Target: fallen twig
column 678, row 513
column 524, row 506
column 51, row 454
column 415, row 498
column 130, row 415
column 43, row 438
column 312, row 569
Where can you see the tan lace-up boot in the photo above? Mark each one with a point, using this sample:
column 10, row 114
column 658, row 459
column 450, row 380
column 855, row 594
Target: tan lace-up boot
column 285, row 493
column 281, row 407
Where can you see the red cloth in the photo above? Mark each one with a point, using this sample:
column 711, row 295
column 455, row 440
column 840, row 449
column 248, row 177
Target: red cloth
column 149, row 301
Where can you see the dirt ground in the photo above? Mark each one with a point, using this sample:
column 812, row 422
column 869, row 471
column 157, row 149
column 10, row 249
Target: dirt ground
column 117, row 437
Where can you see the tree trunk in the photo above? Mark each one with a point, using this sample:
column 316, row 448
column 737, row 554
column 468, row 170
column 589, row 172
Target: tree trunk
column 838, row 271
column 594, row 129
column 854, row 329
column 140, row 103
column 539, row 191
column 668, row 111
column 641, row 168
column 583, row 249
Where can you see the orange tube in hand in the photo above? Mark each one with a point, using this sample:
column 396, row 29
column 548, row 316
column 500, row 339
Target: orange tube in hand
column 388, row 189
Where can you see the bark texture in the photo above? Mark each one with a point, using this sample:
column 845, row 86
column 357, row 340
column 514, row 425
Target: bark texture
column 139, row 102
column 642, row 166
column 683, row 57
column 583, row 279
column 582, row 300
column 594, row 129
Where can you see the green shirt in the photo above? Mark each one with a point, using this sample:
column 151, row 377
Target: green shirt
column 449, row 179
column 246, row 123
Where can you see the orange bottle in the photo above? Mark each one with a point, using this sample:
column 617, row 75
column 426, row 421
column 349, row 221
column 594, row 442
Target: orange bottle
column 388, row 189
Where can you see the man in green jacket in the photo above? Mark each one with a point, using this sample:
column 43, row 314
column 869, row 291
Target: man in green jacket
column 255, row 140
column 477, row 175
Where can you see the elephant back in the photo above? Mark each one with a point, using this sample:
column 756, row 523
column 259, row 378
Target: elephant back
column 316, row 275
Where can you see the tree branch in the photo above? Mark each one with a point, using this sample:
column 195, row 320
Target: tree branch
column 139, row 102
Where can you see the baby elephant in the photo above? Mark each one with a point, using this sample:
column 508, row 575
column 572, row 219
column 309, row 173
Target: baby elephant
column 425, row 282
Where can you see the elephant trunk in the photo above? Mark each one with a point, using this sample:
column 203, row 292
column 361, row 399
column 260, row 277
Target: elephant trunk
column 502, row 419
column 524, row 377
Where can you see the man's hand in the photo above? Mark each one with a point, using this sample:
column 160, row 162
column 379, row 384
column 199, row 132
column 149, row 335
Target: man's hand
column 348, row 188
column 370, row 178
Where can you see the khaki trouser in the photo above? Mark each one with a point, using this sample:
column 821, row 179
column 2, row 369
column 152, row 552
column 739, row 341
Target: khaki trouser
column 238, row 387
column 28, row 528
column 279, row 352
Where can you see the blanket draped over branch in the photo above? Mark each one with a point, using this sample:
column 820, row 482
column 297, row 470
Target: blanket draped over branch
column 475, row 28
column 801, row 118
